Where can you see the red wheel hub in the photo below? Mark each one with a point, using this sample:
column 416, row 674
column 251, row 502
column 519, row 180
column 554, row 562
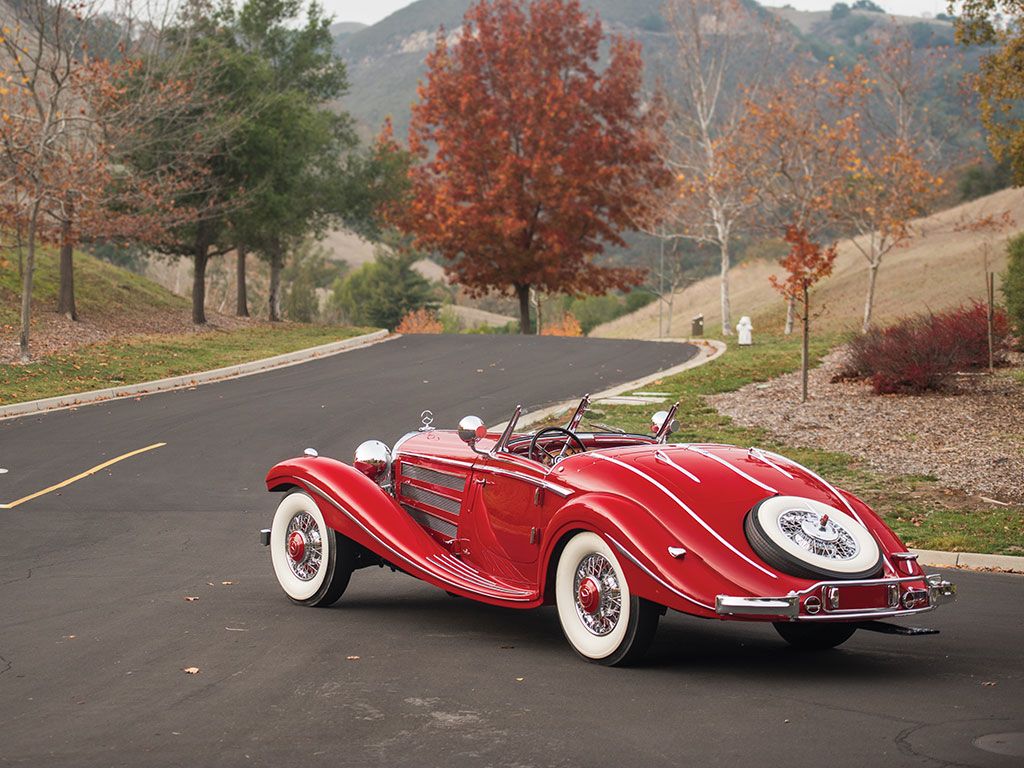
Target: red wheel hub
column 589, row 596
column 296, row 546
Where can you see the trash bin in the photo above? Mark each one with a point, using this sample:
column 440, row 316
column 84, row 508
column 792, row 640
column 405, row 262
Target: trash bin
column 697, row 326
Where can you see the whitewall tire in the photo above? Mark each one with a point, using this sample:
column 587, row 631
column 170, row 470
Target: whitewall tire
column 312, row 563
column 602, row 620
column 812, row 540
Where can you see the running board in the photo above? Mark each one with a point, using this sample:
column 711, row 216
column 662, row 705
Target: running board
column 895, row 629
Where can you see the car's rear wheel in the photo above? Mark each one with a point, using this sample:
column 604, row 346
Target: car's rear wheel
column 814, row 637
column 312, row 562
column 603, row 622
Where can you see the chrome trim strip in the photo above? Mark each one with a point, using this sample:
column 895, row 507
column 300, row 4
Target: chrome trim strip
column 727, row 605
column 730, row 465
column 560, row 490
column 655, row 576
column 758, row 454
column 939, row 592
column 441, row 460
column 433, row 498
column 689, row 511
column 455, row 572
column 459, row 565
column 903, row 556
column 664, row 458
column 398, row 555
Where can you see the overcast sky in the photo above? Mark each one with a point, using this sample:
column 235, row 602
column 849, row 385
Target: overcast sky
column 370, row 11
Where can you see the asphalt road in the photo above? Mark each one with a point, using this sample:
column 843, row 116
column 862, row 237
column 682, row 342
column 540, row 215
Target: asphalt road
column 95, row 629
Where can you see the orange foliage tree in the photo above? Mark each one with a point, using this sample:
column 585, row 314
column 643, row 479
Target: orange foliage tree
column 804, row 134
column 890, row 183
column 532, row 160
column 806, row 263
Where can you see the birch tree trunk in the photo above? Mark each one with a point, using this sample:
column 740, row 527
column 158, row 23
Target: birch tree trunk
column 726, row 309
column 790, row 315
column 26, row 285
column 869, row 302
column 805, row 347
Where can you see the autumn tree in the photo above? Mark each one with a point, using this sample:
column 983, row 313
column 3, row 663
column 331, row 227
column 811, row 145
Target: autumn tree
column 531, row 157
column 806, row 263
column 58, row 168
column 999, row 83
column 804, row 135
column 717, row 70
column 889, row 183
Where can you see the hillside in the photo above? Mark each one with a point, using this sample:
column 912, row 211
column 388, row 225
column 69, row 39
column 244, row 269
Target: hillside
column 112, row 303
column 939, row 268
column 385, row 60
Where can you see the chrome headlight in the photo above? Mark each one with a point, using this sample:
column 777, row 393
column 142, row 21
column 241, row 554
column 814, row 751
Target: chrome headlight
column 373, row 459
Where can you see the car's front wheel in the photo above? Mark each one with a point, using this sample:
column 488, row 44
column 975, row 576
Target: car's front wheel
column 814, row 637
column 601, row 619
column 312, row 562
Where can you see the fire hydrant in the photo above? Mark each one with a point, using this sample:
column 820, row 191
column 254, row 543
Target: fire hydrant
column 744, row 333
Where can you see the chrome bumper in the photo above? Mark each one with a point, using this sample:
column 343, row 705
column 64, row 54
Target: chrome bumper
column 821, row 601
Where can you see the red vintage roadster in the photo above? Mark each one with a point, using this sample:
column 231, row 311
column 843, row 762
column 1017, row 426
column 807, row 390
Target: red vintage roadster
column 611, row 528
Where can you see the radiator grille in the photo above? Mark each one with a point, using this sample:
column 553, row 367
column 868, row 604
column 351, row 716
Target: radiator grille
column 416, row 472
column 430, row 521
column 430, row 497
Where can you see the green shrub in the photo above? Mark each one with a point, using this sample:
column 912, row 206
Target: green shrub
column 840, row 11
column 383, row 291
column 1013, row 283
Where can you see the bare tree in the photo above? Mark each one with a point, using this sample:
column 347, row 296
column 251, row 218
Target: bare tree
column 721, row 47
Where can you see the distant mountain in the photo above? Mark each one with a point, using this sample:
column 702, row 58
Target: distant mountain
column 385, row 60
column 342, row 29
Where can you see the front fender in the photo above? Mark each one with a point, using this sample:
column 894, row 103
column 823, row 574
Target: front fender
column 641, row 543
column 356, row 507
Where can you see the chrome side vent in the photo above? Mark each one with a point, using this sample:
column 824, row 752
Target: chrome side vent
column 434, row 477
column 430, row 521
column 434, row 499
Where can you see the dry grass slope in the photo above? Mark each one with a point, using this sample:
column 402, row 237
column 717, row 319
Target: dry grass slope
column 940, row 267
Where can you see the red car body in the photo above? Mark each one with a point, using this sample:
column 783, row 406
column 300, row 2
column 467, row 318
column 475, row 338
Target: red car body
column 489, row 525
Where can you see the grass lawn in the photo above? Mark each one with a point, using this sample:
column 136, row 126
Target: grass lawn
column 924, row 514
column 146, row 358
column 100, row 288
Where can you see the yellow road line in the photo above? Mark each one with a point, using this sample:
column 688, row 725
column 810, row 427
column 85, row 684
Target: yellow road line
column 78, row 477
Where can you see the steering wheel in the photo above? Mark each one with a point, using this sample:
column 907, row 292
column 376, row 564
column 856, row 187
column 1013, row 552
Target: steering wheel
column 539, row 453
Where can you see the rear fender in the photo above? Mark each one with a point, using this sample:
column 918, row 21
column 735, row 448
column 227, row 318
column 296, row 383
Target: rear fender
column 641, row 544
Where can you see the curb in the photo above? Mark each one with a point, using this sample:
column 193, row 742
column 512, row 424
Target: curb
column 940, row 559
column 707, row 350
column 284, row 360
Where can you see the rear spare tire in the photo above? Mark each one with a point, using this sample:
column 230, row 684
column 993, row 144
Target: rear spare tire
column 811, row 540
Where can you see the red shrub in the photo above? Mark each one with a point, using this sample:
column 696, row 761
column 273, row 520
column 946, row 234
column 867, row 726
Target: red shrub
column 921, row 353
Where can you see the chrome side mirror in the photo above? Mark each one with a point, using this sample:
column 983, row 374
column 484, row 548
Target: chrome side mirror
column 373, row 459
column 471, row 429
